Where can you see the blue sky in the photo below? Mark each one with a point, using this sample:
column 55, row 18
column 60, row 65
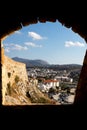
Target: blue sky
column 48, row 41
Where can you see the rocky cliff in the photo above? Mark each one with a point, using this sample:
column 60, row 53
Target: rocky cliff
column 13, row 73
column 16, row 89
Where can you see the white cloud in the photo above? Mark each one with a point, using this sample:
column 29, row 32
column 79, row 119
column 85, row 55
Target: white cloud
column 72, row 44
column 18, row 32
column 32, row 44
column 7, row 49
column 18, row 47
column 35, row 36
column 12, row 46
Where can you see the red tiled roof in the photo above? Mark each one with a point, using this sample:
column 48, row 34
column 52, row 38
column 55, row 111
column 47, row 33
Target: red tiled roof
column 50, row 80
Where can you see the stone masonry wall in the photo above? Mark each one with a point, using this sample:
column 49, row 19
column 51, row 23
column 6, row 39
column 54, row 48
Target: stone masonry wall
column 10, row 70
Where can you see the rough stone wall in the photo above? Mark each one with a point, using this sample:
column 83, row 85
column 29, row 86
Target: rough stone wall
column 0, row 76
column 2, row 55
column 15, row 69
column 11, row 69
column 4, row 82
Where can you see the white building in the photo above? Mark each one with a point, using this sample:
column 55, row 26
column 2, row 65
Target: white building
column 51, row 83
column 42, row 87
column 64, row 78
column 47, row 84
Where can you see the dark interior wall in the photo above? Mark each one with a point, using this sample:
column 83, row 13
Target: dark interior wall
column 76, row 22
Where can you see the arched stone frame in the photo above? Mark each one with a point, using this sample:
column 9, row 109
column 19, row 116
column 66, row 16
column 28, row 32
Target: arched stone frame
column 80, row 93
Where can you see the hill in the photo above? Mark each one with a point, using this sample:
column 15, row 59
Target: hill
column 42, row 63
column 67, row 67
column 31, row 63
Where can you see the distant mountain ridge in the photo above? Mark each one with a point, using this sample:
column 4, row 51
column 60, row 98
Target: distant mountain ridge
column 42, row 63
column 31, row 63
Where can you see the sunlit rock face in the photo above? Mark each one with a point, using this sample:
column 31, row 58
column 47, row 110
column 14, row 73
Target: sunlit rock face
column 16, row 89
column 14, row 75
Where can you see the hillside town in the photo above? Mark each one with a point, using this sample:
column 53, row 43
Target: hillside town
column 44, row 84
column 58, row 85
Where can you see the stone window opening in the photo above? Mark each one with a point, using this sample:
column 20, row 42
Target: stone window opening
column 82, row 73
